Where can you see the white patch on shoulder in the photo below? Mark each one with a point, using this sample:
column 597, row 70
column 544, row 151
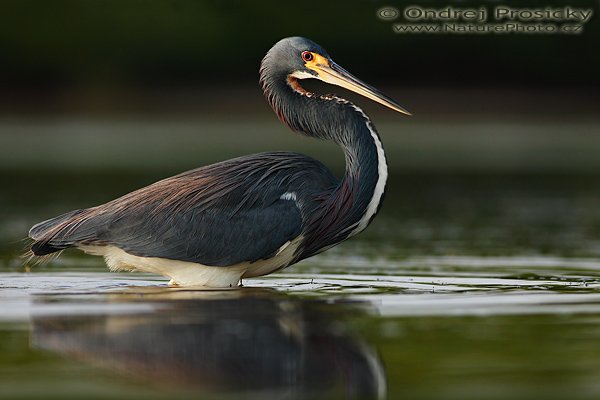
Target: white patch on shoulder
column 184, row 273
column 289, row 196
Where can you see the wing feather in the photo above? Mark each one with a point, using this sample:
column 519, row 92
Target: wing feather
column 218, row 215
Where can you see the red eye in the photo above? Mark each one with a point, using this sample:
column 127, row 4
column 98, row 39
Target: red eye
column 307, row 56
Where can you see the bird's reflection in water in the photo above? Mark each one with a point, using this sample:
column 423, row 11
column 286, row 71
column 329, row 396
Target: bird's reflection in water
column 227, row 342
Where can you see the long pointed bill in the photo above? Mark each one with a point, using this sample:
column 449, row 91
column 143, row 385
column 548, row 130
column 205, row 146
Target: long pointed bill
column 332, row 73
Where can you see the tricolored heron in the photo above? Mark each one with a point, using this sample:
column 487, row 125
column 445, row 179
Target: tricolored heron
column 251, row 215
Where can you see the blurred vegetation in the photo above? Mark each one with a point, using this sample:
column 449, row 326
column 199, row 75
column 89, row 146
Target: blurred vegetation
column 196, row 63
column 53, row 45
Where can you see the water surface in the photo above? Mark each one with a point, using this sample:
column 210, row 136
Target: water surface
column 467, row 286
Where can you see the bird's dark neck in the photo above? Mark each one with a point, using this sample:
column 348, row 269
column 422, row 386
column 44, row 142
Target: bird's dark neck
column 349, row 207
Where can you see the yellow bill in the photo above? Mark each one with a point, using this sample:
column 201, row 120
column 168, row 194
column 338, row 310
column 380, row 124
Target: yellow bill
column 330, row 72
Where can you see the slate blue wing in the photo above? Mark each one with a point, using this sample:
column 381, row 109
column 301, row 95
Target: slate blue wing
column 223, row 214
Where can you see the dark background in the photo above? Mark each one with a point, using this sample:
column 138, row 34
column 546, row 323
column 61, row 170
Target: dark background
column 97, row 57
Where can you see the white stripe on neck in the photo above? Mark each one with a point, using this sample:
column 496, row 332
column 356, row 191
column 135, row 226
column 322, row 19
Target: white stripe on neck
column 382, row 170
column 382, row 174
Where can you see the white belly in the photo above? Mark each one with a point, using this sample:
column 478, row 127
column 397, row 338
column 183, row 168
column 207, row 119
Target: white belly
column 184, row 273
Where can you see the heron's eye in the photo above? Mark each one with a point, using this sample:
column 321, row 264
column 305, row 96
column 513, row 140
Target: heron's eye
column 307, row 56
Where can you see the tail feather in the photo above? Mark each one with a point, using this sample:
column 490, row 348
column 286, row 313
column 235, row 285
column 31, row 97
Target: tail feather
column 44, row 248
column 59, row 233
column 40, row 229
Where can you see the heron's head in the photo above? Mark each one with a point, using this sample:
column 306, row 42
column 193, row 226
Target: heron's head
column 300, row 58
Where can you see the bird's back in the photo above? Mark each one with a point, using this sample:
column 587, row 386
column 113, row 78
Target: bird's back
column 239, row 210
